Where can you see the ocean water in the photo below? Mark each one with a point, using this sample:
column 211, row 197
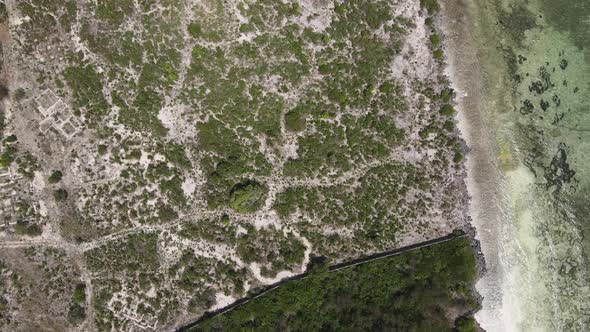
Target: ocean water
column 523, row 81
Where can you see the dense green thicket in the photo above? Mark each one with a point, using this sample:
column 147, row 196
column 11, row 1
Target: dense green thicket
column 422, row 290
column 85, row 83
column 247, row 197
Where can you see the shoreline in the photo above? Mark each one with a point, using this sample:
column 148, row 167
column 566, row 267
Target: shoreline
column 463, row 66
column 519, row 221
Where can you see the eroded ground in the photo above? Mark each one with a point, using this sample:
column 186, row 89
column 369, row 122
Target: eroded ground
column 170, row 155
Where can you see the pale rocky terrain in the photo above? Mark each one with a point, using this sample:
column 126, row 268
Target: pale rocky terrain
column 172, row 155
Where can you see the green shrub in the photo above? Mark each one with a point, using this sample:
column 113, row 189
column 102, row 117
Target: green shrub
column 4, row 92
column 27, row 165
column 465, row 324
column 449, row 126
column 25, row 228
column 55, row 177
column 175, row 154
column 76, row 314
column 447, row 110
column 79, row 295
column 195, row 29
column 8, row 156
column 173, row 190
column 102, row 149
column 376, row 15
column 340, row 9
column 85, row 82
column 10, row 139
column 166, row 213
column 247, row 197
column 386, row 88
column 446, row 95
column 429, row 22
column 134, row 154
column 435, row 40
column 294, row 121
column 438, row 54
column 246, row 28
column 19, row 94
column 430, row 5
column 60, row 195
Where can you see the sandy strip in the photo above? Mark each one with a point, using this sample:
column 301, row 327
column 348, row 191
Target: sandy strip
column 464, row 68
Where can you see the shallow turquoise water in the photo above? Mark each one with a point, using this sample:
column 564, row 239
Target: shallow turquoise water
column 543, row 139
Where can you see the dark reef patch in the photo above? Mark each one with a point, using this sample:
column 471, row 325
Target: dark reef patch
column 544, row 105
column 534, row 152
column 512, row 61
column 543, row 83
column 517, row 22
column 527, row 107
column 556, row 100
column 559, row 172
column 563, row 64
column 558, row 117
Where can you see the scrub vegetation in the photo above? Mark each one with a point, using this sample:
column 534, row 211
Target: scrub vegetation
column 186, row 152
column 423, row 290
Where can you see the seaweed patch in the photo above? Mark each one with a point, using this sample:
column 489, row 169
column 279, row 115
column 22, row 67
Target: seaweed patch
column 527, row 107
column 542, row 84
column 559, row 172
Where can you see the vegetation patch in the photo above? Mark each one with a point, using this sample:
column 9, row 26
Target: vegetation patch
column 431, row 6
column 184, row 130
column 247, row 196
column 55, row 177
column 447, row 110
column 294, row 121
column 429, row 289
column 26, row 228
